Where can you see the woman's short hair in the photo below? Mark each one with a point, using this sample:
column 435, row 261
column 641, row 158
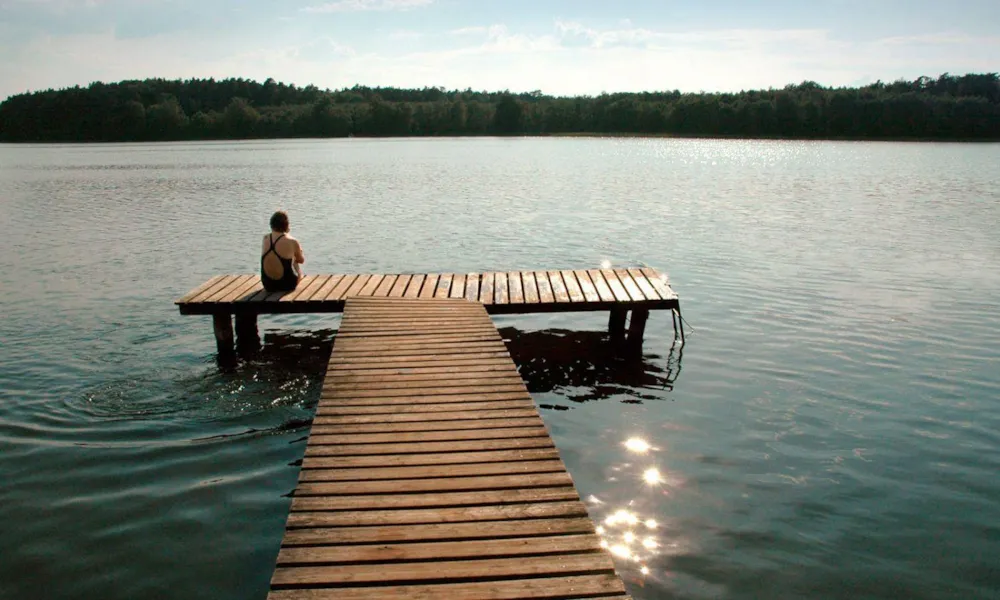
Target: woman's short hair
column 279, row 221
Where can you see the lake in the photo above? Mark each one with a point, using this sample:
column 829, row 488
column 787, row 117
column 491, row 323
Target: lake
column 831, row 428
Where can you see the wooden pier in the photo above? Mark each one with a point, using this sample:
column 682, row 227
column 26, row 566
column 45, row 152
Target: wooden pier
column 618, row 291
column 428, row 472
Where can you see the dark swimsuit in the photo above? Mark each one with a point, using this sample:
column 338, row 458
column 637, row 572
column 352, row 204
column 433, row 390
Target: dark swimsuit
column 289, row 278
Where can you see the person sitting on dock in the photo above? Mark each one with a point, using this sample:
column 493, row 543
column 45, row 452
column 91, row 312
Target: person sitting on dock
column 281, row 256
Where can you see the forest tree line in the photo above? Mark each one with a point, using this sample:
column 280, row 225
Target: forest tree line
column 946, row 107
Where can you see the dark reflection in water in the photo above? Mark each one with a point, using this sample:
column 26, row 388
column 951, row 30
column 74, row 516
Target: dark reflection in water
column 585, row 366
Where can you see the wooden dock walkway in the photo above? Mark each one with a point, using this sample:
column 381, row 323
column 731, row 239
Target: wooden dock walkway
column 428, row 472
column 617, row 291
column 501, row 293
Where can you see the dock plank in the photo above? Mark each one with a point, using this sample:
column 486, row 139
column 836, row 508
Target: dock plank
column 382, row 291
column 537, row 588
column 486, row 288
column 458, row 286
column 399, row 286
column 472, row 287
column 545, row 295
column 587, row 286
column 501, row 293
column 558, row 287
column 572, row 286
column 321, row 292
column 530, row 287
column 603, row 290
column 201, row 288
column 630, row 286
column 371, row 285
column 416, row 283
column 616, row 286
column 428, row 471
column 515, row 286
column 659, row 282
column 430, row 286
column 443, row 286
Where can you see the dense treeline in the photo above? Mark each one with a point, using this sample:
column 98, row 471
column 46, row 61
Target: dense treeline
column 949, row 107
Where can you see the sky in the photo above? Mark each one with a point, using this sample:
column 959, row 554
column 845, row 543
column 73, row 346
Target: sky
column 559, row 47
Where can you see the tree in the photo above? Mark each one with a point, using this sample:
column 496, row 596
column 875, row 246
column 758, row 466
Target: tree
column 509, row 115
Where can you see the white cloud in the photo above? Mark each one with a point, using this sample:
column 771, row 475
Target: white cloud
column 477, row 30
column 367, row 5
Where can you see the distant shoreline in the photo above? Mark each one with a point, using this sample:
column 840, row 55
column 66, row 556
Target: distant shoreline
column 677, row 136
column 943, row 109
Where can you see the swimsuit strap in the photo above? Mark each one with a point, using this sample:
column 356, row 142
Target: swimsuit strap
column 273, row 242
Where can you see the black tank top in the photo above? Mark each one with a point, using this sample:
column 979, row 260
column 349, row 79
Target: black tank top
column 289, row 278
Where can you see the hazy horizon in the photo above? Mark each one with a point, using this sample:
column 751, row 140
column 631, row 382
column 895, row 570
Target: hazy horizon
column 561, row 48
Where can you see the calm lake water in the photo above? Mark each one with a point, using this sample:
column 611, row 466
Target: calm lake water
column 831, row 429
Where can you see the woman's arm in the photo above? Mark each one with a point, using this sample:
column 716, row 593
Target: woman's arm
column 299, row 256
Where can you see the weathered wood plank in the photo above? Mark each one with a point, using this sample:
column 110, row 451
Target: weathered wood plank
column 432, row 500
column 201, row 288
column 306, row 288
column 430, row 390
column 516, row 288
column 444, row 285
column 457, row 286
column 486, row 288
column 530, row 287
column 659, row 282
column 382, row 291
column 438, row 550
column 377, row 473
column 543, row 588
column 233, row 285
column 572, row 564
column 558, row 287
column 371, row 285
column 616, row 286
column 415, row 285
column 444, row 484
column 424, row 381
column 440, row 515
column 430, row 286
column 220, row 284
column 459, row 399
column 603, row 289
column 420, row 533
column 316, row 449
column 330, row 288
column 545, row 295
column 357, row 286
column 501, row 293
column 320, row 293
column 399, row 286
column 466, row 425
column 250, row 284
column 572, row 286
column 472, row 287
column 630, row 286
column 320, row 439
column 587, row 287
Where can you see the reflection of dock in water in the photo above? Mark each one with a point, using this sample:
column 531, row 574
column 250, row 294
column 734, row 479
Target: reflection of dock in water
column 587, row 367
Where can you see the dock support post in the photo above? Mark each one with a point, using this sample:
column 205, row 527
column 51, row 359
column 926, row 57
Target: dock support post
column 679, row 326
column 616, row 324
column 223, row 325
column 247, row 337
column 636, row 329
